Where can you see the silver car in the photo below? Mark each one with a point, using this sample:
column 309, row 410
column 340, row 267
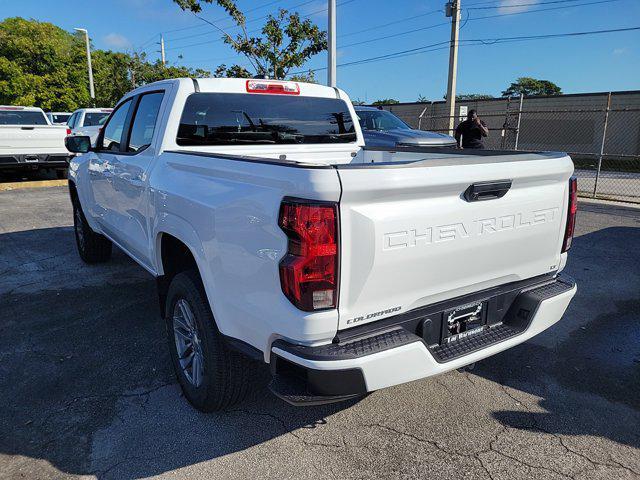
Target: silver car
column 383, row 129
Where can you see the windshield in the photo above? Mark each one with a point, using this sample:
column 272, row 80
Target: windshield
column 59, row 117
column 92, row 119
column 380, row 120
column 250, row 119
column 16, row 117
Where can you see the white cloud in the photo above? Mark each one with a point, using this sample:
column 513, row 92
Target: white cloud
column 619, row 51
column 115, row 40
column 509, row 6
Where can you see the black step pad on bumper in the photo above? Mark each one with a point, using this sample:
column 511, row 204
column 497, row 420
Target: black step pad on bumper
column 465, row 346
column 352, row 349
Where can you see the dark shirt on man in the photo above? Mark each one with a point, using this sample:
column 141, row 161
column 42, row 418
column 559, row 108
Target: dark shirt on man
column 471, row 134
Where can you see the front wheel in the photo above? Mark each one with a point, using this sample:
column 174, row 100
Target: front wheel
column 212, row 375
column 92, row 247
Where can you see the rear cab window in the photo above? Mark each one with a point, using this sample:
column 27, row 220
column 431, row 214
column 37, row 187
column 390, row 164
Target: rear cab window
column 22, row 117
column 247, row 119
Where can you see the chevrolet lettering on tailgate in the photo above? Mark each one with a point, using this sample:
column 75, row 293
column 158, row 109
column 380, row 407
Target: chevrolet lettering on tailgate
column 454, row 231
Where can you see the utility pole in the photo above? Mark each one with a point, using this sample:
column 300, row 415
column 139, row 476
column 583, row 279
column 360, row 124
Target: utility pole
column 453, row 11
column 88, row 45
column 331, row 44
column 162, row 50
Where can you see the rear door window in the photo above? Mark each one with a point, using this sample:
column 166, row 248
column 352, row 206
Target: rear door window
column 144, row 121
column 252, row 119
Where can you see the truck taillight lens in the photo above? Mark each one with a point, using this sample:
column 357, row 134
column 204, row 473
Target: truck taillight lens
column 309, row 270
column 68, row 131
column 571, row 216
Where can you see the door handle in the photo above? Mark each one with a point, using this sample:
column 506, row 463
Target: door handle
column 481, row 191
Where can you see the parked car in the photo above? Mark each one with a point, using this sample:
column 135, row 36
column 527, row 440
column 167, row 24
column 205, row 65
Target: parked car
column 58, row 118
column 28, row 142
column 276, row 235
column 88, row 121
column 382, row 128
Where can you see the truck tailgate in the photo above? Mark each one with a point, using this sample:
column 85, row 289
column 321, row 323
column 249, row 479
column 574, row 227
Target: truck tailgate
column 409, row 237
column 16, row 139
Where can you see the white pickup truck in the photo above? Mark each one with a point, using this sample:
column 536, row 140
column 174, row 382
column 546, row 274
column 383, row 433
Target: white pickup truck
column 28, row 141
column 275, row 234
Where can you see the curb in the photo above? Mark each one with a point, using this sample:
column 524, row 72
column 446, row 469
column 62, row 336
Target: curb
column 32, row 184
column 612, row 203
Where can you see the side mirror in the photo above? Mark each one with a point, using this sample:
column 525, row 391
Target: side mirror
column 78, row 144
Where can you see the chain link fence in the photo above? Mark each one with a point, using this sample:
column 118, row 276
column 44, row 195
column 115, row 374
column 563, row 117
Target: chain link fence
column 601, row 132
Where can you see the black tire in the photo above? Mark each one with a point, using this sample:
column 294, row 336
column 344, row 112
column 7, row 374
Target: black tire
column 92, row 247
column 223, row 378
column 62, row 174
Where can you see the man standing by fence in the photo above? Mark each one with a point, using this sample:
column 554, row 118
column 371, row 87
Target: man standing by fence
column 470, row 132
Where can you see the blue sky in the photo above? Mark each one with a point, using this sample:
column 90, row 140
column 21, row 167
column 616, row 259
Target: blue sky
column 578, row 64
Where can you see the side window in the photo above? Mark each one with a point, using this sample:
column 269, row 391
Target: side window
column 145, row 121
column 71, row 120
column 114, row 129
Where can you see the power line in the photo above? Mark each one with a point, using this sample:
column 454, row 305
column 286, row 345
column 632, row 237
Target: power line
column 467, row 19
column 251, row 31
column 375, row 27
column 472, row 42
column 198, row 25
column 395, row 35
column 532, row 4
column 235, row 26
column 545, row 9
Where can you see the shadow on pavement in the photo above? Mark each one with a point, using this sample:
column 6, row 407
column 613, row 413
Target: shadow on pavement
column 85, row 372
column 588, row 381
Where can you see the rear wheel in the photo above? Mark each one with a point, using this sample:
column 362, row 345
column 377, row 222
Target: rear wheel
column 92, row 247
column 61, row 174
column 212, row 375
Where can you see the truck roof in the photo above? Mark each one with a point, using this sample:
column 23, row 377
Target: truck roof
column 239, row 85
column 91, row 110
column 20, row 108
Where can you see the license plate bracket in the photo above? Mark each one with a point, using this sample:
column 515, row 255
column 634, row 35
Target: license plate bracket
column 464, row 321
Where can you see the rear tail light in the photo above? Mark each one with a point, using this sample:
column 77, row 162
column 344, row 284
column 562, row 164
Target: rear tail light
column 309, row 270
column 269, row 86
column 571, row 216
column 68, row 131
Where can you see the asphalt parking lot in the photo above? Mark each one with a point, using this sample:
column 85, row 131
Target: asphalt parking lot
column 87, row 390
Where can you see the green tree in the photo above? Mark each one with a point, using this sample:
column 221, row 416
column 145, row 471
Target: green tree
column 41, row 64
column 111, row 76
column 386, row 101
column 531, row 87
column 285, row 42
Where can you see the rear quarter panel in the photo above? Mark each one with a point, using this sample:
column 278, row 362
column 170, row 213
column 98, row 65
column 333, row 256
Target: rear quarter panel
column 226, row 211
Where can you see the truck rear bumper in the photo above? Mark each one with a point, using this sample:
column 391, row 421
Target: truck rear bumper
column 394, row 356
column 34, row 161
